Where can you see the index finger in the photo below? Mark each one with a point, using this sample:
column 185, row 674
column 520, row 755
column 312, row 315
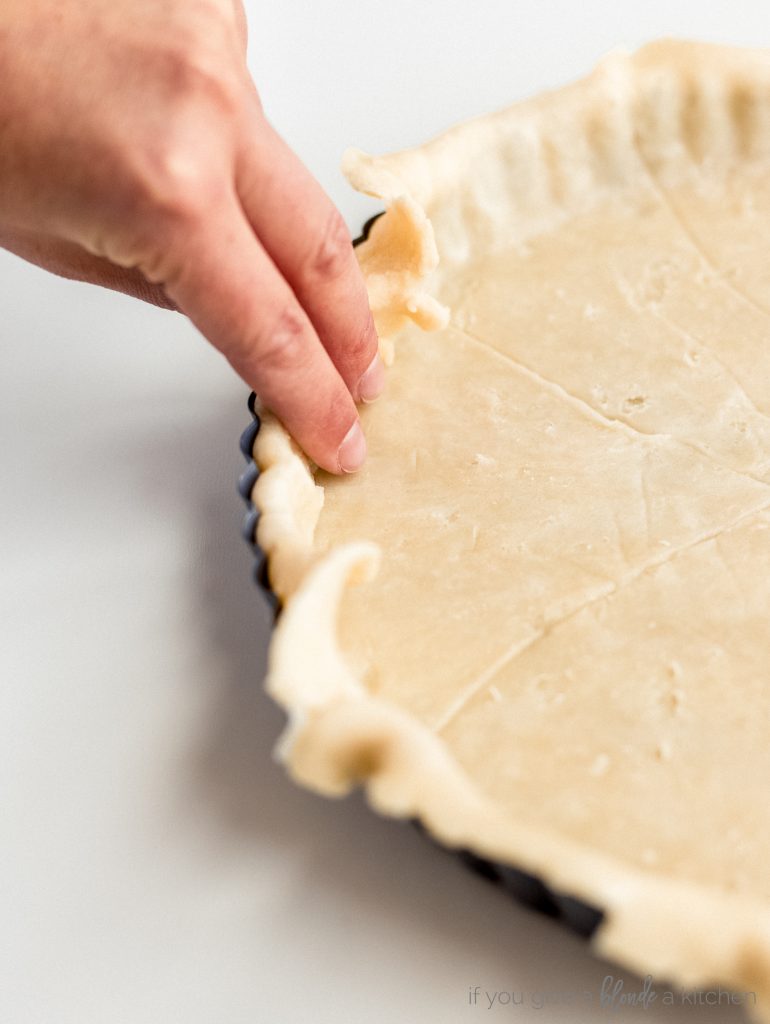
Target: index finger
column 220, row 276
column 307, row 239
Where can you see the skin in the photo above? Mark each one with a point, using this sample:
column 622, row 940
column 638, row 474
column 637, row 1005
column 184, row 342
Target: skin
column 135, row 154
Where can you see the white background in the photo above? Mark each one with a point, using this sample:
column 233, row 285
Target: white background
column 156, row 865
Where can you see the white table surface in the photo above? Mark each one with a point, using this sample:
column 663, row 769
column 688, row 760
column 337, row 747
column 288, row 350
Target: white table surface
column 156, row 865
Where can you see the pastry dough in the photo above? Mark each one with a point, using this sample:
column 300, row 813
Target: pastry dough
column 538, row 618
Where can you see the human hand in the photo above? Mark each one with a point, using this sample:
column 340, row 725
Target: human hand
column 134, row 153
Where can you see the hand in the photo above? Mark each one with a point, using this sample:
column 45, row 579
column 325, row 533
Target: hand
column 134, row 153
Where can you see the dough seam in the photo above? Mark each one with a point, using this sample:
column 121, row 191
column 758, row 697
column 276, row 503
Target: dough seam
column 592, row 413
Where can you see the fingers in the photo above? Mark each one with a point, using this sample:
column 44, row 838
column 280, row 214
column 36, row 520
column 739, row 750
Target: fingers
column 307, row 240
column 222, row 278
column 70, row 260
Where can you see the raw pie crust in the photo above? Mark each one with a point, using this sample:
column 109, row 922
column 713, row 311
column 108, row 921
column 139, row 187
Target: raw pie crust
column 557, row 651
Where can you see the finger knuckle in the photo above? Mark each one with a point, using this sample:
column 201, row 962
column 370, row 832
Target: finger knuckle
column 199, row 67
column 170, row 196
column 173, row 184
column 331, row 255
column 285, row 346
column 198, row 58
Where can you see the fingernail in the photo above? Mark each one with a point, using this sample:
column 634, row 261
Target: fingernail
column 352, row 451
column 372, row 381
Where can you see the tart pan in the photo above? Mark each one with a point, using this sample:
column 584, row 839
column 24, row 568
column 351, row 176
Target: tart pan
column 526, row 888
column 586, row 272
